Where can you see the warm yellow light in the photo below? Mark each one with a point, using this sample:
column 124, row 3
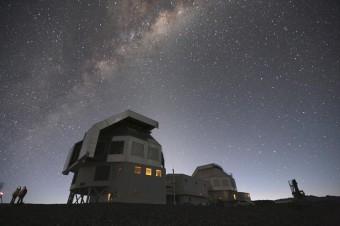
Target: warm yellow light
column 158, row 173
column 138, row 169
column 234, row 195
column 148, row 171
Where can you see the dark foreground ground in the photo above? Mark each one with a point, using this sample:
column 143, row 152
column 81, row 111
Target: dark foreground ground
column 318, row 213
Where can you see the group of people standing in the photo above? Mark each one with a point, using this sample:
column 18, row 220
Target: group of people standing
column 1, row 194
column 20, row 194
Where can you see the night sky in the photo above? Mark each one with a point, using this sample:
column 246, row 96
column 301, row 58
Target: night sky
column 253, row 86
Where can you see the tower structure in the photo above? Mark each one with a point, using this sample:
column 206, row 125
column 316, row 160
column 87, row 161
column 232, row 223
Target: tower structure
column 118, row 161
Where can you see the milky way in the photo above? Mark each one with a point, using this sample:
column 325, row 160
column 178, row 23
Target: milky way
column 250, row 85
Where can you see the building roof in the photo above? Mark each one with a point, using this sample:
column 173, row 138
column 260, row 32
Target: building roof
column 177, row 175
column 91, row 137
column 208, row 166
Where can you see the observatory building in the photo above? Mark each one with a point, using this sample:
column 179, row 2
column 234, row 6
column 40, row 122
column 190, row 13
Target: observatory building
column 222, row 186
column 118, row 161
column 209, row 184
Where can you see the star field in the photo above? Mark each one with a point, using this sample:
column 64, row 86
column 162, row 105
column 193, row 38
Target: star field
column 251, row 85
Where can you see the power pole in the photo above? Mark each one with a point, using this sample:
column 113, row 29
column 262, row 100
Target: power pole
column 173, row 187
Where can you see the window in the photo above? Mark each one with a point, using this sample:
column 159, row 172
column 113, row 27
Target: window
column 137, row 149
column 158, row 173
column 148, row 171
column 117, row 147
column 138, row 169
column 100, row 153
column 153, row 154
column 102, row 173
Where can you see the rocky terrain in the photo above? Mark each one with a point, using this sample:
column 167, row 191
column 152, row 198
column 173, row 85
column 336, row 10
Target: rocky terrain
column 324, row 213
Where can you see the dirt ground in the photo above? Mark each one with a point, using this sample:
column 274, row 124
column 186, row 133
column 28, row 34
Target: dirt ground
column 321, row 214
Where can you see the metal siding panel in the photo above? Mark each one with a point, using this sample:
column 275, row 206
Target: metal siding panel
column 88, row 142
column 68, row 159
column 91, row 146
column 91, row 138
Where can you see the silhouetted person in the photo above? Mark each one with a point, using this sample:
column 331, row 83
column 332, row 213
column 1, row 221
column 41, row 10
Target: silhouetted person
column 21, row 195
column 15, row 194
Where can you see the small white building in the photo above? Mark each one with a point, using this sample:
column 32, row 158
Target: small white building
column 118, row 161
column 184, row 189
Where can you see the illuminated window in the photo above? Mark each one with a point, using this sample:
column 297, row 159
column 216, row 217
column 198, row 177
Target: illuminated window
column 148, row 171
column 158, row 173
column 234, row 196
column 138, row 169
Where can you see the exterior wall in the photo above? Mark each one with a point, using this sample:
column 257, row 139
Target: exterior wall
column 191, row 200
column 223, row 182
column 222, row 196
column 84, row 177
column 127, row 156
column 243, row 196
column 188, row 190
column 123, row 185
column 126, row 186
